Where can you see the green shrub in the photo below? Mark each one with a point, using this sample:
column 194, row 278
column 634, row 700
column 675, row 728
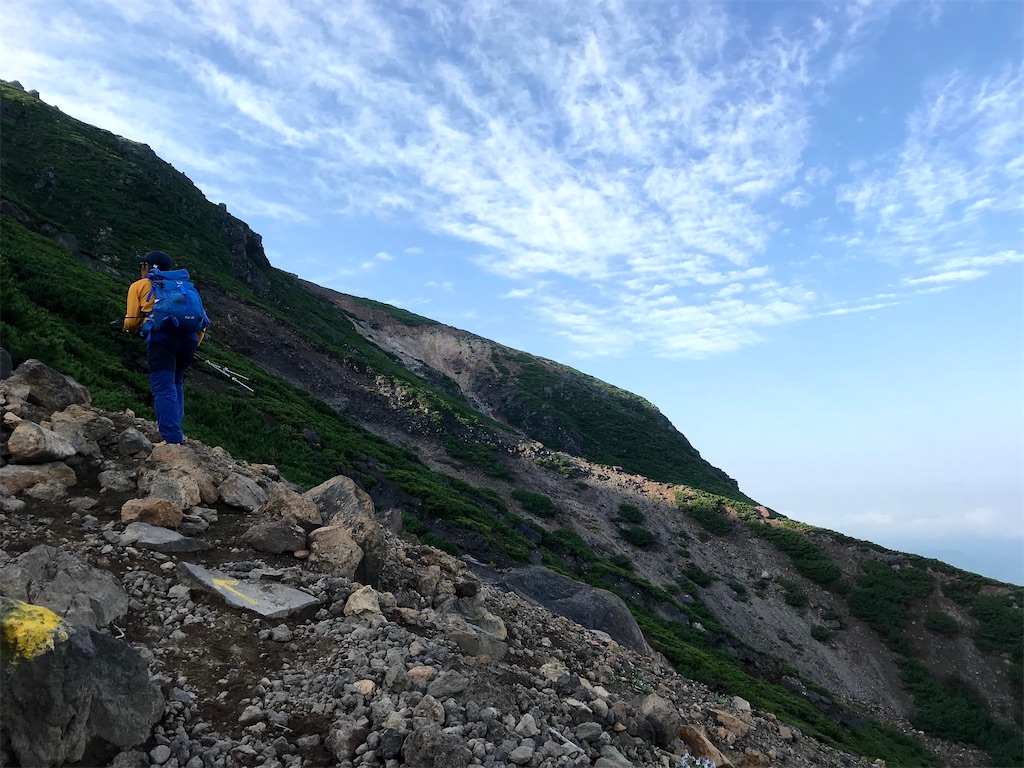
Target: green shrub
column 792, row 593
column 638, row 536
column 881, row 595
column 536, row 503
column 705, row 510
column 699, row 577
column 940, row 622
column 630, row 514
column 562, row 540
column 809, row 561
column 621, row 561
column 440, row 542
column 820, row 633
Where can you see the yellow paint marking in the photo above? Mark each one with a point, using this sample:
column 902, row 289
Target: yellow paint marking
column 31, row 630
column 228, row 586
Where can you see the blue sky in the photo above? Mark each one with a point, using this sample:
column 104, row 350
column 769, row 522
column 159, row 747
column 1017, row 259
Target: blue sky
column 794, row 227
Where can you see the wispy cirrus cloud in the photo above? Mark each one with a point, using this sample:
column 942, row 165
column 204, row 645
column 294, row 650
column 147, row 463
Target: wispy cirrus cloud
column 632, row 165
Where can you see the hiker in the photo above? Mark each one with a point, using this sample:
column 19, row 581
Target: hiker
column 165, row 309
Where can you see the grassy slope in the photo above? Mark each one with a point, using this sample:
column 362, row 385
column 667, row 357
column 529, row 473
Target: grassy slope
column 118, row 199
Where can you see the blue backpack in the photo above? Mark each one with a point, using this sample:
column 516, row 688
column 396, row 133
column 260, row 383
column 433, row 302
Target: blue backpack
column 177, row 308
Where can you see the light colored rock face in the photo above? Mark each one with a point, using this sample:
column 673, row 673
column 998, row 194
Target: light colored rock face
column 181, row 461
column 363, row 603
column 153, row 510
column 701, row 746
column 179, row 488
column 31, row 444
column 332, row 549
column 242, row 492
column 285, row 504
column 83, row 427
column 16, row 478
column 342, row 502
column 273, row 601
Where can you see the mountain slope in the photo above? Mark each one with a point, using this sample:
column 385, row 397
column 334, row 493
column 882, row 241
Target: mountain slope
column 483, row 450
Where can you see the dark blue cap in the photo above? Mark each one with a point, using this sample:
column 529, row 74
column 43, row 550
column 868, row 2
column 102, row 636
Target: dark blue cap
column 157, row 259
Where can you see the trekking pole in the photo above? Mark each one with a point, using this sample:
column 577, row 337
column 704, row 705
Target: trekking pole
column 235, row 376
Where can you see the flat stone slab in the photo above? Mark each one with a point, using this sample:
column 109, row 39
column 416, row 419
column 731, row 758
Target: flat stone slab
column 268, row 599
column 159, row 539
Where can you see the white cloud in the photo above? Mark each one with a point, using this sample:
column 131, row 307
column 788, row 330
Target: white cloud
column 957, row 276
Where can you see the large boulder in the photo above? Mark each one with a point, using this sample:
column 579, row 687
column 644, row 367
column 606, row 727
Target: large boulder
column 285, row 504
column 242, row 492
column 332, row 549
column 17, row 478
column 47, row 388
column 343, row 503
column 65, row 688
column 31, row 444
column 176, row 473
column 662, row 717
column 66, row 585
column 275, row 537
column 593, row 608
column 431, row 747
column 84, row 428
column 154, row 511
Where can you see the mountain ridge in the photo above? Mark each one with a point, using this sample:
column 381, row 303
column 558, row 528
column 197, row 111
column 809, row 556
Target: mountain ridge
column 838, row 613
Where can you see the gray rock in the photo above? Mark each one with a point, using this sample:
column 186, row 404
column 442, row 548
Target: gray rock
column 242, row 492
column 593, row 608
column 89, row 686
column 345, row 737
column 48, row 388
column 17, row 478
column 83, row 427
column 131, row 442
column 160, row 539
column 662, row 716
column 117, row 481
column 431, row 747
column 31, row 444
column 343, row 503
column 65, row 584
column 589, row 731
column 275, row 536
column 273, row 601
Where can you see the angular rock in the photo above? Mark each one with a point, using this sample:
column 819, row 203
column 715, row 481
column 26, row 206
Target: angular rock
column 71, row 686
column 159, row 539
column 131, row 442
column 275, row 536
column 593, row 608
column 285, row 504
column 333, row 550
column 179, row 488
column 271, row 600
column 31, row 444
column 242, row 492
column 345, row 737
column 48, row 388
column 181, row 461
column 16, row 478
column 65, row 584
column 117, row 481
column 83, row 427
column 363, row 603
column 701, row 746
column 342, row 502
column 431, row 747
column 154, row 511
column 661, row 715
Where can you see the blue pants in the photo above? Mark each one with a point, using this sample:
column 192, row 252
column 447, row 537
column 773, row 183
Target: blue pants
column 169, row 358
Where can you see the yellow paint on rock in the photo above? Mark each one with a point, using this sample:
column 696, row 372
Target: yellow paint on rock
column 228, row 585
column 31, row 630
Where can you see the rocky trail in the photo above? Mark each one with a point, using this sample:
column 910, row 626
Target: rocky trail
column 214, row 615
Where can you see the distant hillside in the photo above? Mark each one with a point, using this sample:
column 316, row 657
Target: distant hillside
column 503, row 457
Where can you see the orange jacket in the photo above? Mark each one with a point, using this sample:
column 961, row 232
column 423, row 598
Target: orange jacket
column 140, row 304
